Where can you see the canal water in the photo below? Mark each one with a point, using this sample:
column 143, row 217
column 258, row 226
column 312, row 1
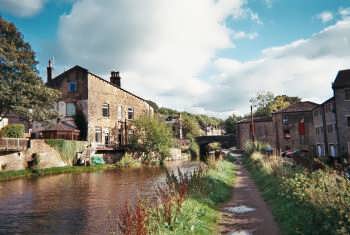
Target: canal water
column 86, row 203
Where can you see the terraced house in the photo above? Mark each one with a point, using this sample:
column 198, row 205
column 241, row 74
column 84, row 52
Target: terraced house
column 108, row 109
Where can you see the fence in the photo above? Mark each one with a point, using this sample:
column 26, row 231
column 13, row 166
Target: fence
column 13, row 144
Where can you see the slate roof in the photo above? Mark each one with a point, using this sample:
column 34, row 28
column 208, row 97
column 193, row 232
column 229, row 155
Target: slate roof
column 62, row 126
column 342, row 80
column 302, row 106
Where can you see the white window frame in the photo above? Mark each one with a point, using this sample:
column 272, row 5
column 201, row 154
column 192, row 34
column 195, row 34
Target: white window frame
column 133, row 113
column 120, row 112
column 106, row 106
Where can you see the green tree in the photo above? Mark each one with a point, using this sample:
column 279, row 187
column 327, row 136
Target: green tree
column 152, row 137
column 190, row 126
column 261, row 102
column 22, row 92
column 230, row 124
column 266, row 103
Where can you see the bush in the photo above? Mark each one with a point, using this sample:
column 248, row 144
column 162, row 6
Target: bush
column 303, row 202
column 12, row 131
column 67, row 148
column 128, row 161
column 152, row 137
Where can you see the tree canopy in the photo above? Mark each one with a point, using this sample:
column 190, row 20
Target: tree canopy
column 152, row 137
column 266, row 103
column 230, row 124
column 22, row 92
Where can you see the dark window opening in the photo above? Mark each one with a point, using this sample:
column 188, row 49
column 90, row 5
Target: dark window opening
column 72, row 86
column 130, row 113
column 105, row 110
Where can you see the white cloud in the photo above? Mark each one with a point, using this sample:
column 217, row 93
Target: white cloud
column 237, row 35
column 325, row 16
column 21, row 8
column 304, row 68
column 160, row 46
column 344, row 12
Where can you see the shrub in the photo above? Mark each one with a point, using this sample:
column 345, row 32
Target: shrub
column 318, row 200
column 128, row 161
column 12, row 131
column 152, row 137
column 214, row 146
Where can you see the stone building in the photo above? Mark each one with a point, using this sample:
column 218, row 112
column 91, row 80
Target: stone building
column 263, row 130
column 341, row 90
column 326, row 137
column 294, row 127
column 108, row 109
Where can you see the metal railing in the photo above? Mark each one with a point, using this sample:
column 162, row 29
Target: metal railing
column 13, row 144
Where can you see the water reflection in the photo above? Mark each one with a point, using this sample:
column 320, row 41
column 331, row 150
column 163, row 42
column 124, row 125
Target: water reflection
column 85, row 203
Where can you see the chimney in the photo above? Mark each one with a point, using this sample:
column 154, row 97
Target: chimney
column 115, row 78
column 49, row 71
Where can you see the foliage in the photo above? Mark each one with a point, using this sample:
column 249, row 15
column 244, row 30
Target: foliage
column 12, row 131
column 266, row 102
column 67, row 148
column 128, row 161
column 22, row 92
column 153, row 105
column 302, row 201
column 81, row 123
column 193, row 123
column 152, row 137
column 194, row 149
column 230, row 124
column 214, row 146
column 187, row 203
column 190, row 126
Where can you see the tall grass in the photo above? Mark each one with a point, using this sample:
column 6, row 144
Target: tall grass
column 303, row 201
column 67, row 148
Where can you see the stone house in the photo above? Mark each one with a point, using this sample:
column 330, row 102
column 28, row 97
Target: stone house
column 325, row 128
column 108, row 109
column 263, row 131
column 294, row 127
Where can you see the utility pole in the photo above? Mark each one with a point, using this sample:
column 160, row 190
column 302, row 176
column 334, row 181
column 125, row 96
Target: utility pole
column 252, row 124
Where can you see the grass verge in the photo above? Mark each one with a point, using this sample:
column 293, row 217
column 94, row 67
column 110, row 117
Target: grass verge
column 302, row 202
column 187, row 204
column 10, row 175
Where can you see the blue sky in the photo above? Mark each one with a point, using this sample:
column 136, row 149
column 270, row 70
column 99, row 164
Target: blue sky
column 202, row 56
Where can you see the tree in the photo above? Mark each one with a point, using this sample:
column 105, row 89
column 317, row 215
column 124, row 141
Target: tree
column 230, row 124
column 22, row 92
column 152, row 137
column 266, row 103
column 190, row 126
column 262, row 103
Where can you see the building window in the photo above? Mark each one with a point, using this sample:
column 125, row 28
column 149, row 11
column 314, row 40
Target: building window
column 70, row 109
column 130, row 113
column 105, row 110
column 120, row 112
column 316, row 113
column 317, row 131
column 98, row 135
column 330, row 128
column 72, row 86
column 347, row 94
column 285, row 120
column 319, row 150
column 348, row 120
column 107, row 137
column 332, row 150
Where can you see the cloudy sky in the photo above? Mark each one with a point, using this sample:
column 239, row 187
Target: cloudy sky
column 203, row 56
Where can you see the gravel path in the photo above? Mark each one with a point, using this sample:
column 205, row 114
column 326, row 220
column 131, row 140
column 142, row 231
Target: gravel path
column 246, row 212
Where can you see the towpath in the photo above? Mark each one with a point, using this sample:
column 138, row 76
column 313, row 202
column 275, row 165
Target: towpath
column 246, row 213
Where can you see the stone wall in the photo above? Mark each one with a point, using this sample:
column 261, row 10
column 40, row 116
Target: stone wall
column 102, row 92
column 342, row 112
column 48, row 157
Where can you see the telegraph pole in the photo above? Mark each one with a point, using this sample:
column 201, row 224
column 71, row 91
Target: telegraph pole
column 252, row 124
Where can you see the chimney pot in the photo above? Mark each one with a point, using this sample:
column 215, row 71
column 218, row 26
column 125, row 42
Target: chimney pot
column 115, row 78
column 49, row 71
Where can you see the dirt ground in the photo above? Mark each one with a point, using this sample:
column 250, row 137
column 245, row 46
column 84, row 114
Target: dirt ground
column 246, row 196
